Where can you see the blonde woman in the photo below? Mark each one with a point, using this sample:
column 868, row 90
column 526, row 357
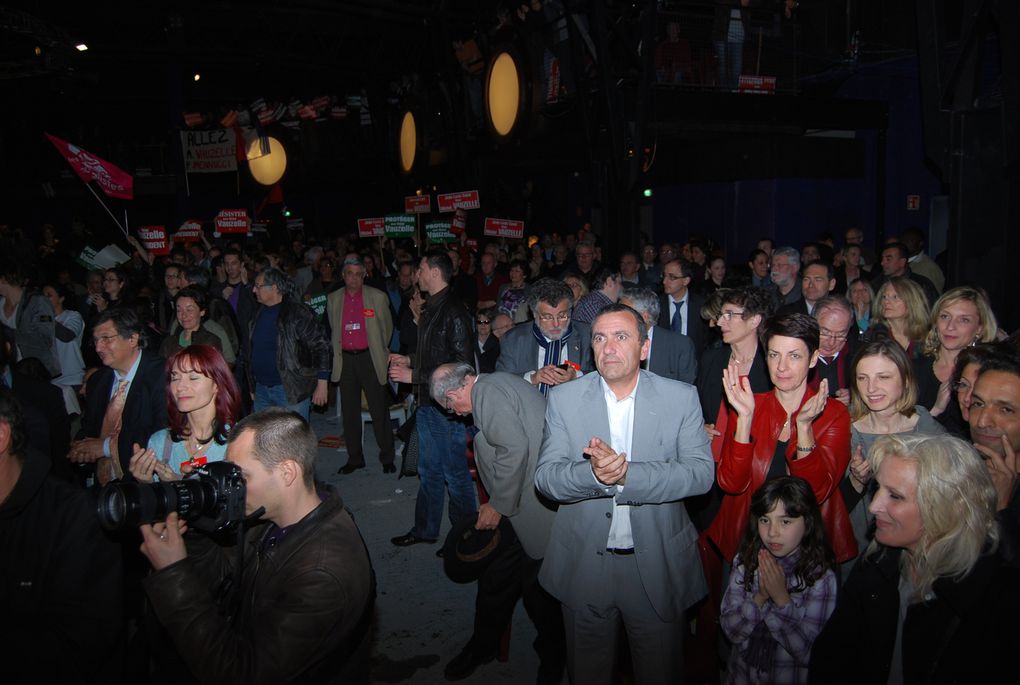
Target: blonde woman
column 962, row 317
column 929, row 601
column 900, row 311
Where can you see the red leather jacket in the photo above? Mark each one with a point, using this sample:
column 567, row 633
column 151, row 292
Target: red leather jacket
column 742, row 469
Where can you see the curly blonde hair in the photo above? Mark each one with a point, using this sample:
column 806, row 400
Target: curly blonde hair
column 956, row 500
column 964, row 293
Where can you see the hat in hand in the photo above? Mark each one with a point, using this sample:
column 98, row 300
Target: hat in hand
column 468, row 551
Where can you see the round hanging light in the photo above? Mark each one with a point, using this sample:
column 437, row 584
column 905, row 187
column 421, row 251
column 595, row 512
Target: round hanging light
column 503, row 95
column 267, row 169
column 408, row 142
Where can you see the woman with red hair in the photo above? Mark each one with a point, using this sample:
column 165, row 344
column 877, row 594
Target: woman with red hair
column 203, row 402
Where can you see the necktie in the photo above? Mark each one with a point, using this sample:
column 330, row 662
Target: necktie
column 108, row 468
column 677, row 322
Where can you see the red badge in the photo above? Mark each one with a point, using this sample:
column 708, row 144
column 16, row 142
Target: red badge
column 575, row 367
column 368, row 313
column 195, row 462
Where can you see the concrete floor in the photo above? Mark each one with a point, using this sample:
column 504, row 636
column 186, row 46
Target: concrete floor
column 423, row 619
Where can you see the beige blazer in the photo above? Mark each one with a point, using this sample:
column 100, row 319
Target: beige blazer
column 379, row 328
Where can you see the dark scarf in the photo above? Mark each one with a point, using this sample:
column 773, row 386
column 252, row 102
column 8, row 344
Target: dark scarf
column 552, row 349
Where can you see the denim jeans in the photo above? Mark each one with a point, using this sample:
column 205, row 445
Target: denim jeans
column 730, row 56
column 273, row 396
column 442, row 460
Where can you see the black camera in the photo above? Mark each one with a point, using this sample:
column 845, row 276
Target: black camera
column 210, row 499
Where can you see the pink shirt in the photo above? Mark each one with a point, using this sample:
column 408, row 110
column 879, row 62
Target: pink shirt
column 353, row 336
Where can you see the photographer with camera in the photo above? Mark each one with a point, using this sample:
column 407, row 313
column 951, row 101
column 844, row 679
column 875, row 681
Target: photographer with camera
column 300, row 603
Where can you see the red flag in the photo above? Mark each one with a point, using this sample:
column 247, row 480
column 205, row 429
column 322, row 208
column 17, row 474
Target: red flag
column 113, row 180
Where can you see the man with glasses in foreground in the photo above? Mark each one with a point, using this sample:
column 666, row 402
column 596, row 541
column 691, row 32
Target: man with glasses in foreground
column 836, row 348
column 552, row 349
column 125, row 401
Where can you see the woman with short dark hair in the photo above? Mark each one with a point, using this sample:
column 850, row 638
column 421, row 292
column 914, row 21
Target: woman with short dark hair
column 790, row 430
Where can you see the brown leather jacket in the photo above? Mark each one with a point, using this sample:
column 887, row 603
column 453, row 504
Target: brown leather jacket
column 305, row 602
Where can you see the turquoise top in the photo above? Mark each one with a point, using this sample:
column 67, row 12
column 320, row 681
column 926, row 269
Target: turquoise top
column 179, row 453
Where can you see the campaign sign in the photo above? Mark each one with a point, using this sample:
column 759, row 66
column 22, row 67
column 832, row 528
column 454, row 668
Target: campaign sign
column 757, row 85
column 459, row 222
column 439, row 231
column 371, row 228
column 232, row 221
column 504, row 228
column 399, row 225
column 318, row 304
column 417, row 204
column 467, row 199
column 209, row 151
column 154, row 240
column 189, row 232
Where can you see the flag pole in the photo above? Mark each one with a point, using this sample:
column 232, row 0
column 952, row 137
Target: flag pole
column 95, row 195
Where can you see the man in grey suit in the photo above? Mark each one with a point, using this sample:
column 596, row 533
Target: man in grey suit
column 670, row 355
column 552, row 349
column 509, row 413
column 620, row 452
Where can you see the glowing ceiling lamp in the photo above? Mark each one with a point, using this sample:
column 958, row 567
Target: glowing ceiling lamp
column 504, row 94
column 267, row 169
column 408, row 142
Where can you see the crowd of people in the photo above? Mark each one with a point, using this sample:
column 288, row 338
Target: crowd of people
column 798, row 467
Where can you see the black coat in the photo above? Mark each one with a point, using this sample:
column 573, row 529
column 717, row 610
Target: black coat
column 964, row 633
column 444, row 335
column 144, row 408
column 60, row 584
column 46, row 422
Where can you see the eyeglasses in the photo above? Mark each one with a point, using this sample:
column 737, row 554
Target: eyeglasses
column 562, row 316
column 729, row 314
column 104, row 339
column 483, row 322
column 260, row 285
column 824, row 333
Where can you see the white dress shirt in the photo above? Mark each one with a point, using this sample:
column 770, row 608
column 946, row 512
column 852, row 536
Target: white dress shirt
column 621, row 430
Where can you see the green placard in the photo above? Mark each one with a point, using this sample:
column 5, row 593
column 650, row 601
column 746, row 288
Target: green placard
column 87, row 259
column 318, row 304
column 399, row 225
column 439, row 231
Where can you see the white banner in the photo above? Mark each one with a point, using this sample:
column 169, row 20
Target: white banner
column 209, row 151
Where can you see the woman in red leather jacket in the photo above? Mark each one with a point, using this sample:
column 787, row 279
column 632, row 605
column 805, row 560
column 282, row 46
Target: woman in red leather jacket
column 787, row 431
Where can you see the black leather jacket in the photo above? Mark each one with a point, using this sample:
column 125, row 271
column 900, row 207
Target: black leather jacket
column 305, row 602
column 302, row 350
column 444, row 335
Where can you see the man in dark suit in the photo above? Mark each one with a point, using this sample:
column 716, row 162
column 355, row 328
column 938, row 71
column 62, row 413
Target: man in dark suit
column 836, row 348
column 621, row 451
column 679, row 306
column 509, row 414
column 670, row 355
column 552, row 349
column 140, row 377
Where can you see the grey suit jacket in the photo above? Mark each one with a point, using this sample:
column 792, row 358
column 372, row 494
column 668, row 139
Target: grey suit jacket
column 518, row 349
column 509, row 413
column 670, row 460
column 672, row 356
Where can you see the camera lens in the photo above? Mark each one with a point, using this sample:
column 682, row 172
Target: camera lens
column 216, row 493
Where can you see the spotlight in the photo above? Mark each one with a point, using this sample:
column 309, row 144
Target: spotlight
column 647, row 192
column 198, row 77
column 81, row 47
